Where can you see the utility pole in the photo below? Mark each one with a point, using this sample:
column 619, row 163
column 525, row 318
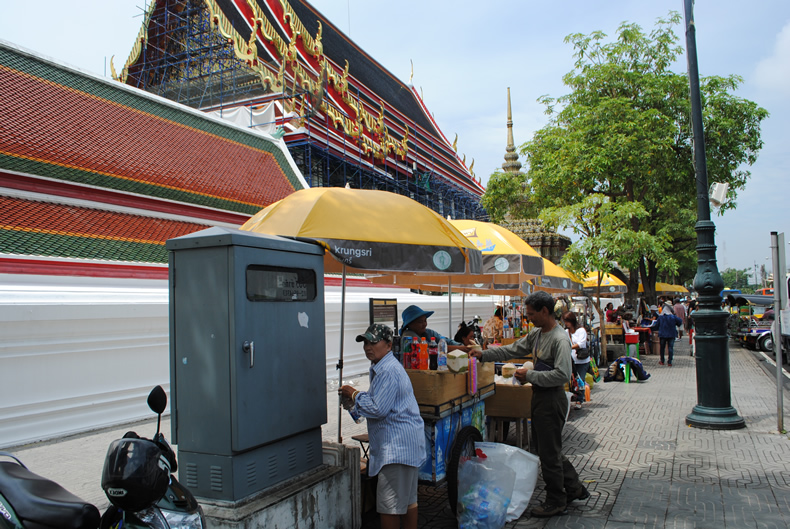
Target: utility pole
column 714, row 409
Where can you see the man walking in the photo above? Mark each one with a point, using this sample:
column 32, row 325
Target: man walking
column 667, row 331
column 551, row 348
column 680, row 312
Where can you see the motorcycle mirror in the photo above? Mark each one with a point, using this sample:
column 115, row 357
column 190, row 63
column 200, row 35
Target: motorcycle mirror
column 157, row 400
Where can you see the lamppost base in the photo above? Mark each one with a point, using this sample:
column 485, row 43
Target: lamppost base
column 715, row 418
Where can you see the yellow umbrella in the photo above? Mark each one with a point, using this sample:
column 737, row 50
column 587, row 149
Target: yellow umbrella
column 664, row 289
column 507, row 259
column 370, row 230
column 366, row 230
column 557, row 280
column 609, row 284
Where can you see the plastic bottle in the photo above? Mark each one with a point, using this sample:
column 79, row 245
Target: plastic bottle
column 405, row 343
column 442, row 355
column 505, row 328
column 423, row 354
column 358, row 418
column 415, row 354
column 433, row 355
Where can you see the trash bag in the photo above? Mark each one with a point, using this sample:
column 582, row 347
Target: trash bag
column 484, row 491
column 524, row 464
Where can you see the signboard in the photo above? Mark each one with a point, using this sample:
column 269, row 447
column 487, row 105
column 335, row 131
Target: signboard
column 384, row 311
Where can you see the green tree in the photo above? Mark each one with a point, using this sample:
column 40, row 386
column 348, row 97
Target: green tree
column 734, row 278
column 624, row 132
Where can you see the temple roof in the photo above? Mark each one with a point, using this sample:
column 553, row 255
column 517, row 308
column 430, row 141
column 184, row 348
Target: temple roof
column 37, row 228
column 220, row 54
column 363, row 67
column 140, row 168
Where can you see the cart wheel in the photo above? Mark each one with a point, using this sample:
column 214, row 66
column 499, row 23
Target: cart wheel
column 463, row 446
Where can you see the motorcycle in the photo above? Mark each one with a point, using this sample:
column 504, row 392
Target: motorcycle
column 474, row 323
column 137, row 479
column 29, row 501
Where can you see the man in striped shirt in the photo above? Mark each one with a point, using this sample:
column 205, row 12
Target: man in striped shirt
column 395, row 429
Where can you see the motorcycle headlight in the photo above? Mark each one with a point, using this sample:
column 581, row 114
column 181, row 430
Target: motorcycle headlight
column 153, row 517
column 182, row 520
column 162, row 519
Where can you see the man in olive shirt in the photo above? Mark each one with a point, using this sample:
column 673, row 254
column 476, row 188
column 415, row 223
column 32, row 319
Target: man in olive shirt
column 551, row 347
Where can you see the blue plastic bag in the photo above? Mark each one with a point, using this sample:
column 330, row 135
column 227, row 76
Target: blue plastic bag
column 484, row 491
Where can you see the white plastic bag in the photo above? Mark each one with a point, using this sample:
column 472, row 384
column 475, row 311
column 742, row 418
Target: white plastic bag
column 484, row 490
column 524, row 464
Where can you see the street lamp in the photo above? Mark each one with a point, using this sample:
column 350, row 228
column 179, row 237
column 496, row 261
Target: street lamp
column 714, row 405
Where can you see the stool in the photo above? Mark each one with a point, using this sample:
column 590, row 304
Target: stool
column 631, row 345
column 364, row 443
column 497, row 433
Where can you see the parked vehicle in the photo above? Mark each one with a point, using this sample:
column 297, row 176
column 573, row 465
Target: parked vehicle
column 29, row 501
column 745, row 326
column 137, row 479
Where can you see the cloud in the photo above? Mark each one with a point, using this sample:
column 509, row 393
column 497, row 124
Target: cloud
column 772, row 74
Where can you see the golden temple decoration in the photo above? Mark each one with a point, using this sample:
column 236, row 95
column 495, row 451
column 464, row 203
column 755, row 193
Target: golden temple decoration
column 304, row 76
column 142, row 35
column 471, row 168
column 455, row 143
column 411, row 75
column 267, row 31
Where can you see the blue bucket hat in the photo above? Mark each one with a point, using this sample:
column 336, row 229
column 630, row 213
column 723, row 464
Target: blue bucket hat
column 411, row 313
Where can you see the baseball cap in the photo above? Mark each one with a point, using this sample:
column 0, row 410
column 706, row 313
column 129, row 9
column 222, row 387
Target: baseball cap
column 375, row 333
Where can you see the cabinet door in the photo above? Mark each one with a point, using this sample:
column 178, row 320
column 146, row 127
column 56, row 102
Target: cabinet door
column 278, row 367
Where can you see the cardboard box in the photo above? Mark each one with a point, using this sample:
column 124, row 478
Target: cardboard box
column 432, row 388
column 510, row 401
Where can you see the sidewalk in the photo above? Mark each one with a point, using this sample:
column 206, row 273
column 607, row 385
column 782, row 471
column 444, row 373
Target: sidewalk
column 643, row 466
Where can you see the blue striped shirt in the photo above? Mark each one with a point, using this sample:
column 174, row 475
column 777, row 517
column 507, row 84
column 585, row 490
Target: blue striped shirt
column 395, row 428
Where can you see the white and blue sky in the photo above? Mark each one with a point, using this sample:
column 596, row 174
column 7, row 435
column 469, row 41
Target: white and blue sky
column 466, row 54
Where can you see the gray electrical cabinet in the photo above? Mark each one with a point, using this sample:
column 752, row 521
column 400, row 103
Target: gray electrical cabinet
column 247, row 360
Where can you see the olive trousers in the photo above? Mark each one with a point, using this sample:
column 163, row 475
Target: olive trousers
column 549, row 408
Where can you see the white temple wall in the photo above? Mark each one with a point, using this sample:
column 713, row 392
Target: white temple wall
column 77, row 354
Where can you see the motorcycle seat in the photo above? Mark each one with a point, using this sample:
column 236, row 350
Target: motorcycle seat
column 40, row 502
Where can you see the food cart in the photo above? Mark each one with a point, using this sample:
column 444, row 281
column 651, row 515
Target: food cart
column 454, row 419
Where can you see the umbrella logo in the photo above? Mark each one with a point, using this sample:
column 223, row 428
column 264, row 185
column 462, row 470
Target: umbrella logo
column 442, row 260
column 501, row 264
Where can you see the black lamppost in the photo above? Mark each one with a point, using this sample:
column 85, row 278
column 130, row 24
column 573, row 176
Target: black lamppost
column 714, row 407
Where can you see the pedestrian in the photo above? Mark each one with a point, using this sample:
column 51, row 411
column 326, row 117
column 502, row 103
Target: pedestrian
column 415, row 325
column 680, row 311
column 667, row 331
column 493, row 328
column 551, row 349
column 579, row 351
column 610, row 313
column 395, row 429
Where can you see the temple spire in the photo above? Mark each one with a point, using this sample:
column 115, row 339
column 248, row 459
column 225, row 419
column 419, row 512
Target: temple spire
column 511, row 165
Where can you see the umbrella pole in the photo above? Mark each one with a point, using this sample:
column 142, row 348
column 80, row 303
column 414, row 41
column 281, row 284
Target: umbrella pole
column 450, row 301
column 463, row 306
column 340, row 360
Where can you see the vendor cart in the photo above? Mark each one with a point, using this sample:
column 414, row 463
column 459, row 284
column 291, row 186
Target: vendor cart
column 454, row 419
